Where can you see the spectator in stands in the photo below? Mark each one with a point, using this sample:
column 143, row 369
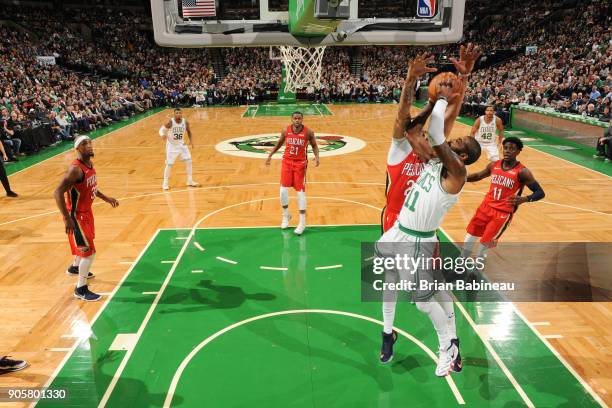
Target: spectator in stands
column 605, row 143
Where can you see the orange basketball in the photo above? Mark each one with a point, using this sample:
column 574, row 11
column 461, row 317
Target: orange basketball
column 433, row 84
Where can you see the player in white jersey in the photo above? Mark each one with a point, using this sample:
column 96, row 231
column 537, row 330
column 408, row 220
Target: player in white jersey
column 484, row 130
column 430, row 198
column 173, row 133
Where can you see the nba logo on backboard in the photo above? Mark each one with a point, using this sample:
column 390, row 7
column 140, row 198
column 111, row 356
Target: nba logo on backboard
column 426, row 8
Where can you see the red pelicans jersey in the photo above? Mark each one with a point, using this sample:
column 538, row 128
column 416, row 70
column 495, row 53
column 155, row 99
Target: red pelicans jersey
column 80, row 197
column 296, row 144
column 400, row 179
column 504, row 184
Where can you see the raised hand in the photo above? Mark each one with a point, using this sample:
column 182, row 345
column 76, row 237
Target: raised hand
column 418, row 66
column 447, row 90
column 467, row 58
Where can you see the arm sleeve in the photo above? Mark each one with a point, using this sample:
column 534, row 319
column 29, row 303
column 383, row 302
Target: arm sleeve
column 436, row 125
column 538, row 192
column 400, row 148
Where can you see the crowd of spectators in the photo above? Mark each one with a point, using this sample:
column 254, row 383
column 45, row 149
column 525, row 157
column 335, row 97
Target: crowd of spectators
column 108, row 68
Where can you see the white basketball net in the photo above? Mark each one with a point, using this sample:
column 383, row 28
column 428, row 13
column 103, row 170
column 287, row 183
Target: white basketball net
column 302, row 66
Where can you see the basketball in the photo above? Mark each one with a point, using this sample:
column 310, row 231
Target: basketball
column 433, row 84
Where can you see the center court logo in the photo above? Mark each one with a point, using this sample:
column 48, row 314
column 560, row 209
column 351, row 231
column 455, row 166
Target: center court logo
column 259, row 146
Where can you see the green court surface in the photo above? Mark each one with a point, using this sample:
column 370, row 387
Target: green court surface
column 259, row 317
column 308, row 109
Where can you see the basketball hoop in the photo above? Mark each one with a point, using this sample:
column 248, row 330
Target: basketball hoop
column 302, row 66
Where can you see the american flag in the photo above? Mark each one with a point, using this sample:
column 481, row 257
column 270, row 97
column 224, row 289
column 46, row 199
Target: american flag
column 198, row 8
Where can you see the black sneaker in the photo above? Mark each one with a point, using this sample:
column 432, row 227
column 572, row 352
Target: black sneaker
column 87, row 295
column 7, row 365
column 386, row 351
column 11, row 194
column 456, row 364
column 74, row 270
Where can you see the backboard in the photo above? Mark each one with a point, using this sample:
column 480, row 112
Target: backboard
column 309, row 23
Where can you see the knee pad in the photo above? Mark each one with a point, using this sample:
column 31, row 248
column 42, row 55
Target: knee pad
column 284, row 196
column 301, row 200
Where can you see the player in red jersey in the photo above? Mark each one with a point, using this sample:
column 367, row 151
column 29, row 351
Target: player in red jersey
column 295, row 161
column 508, row 177
column 410, row 150
column 74, row 197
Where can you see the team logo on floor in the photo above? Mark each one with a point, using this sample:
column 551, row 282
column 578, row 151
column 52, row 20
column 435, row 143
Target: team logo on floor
column 259, row 146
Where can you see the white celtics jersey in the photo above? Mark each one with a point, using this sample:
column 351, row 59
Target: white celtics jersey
column 427, row 203
column 486, row 133
column 176, row 134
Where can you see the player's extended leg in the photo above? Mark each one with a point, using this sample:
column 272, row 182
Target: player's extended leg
column 389, row 336
column 189, row 170
column 284, row 200
column 492, row 153
column 299, row 183
column 82, row 291
column 74, row 268
column 440, row 310
column 302, row 206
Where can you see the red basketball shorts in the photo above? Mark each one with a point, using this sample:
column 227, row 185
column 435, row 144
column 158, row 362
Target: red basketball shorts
column 293, row 174
column 489, row 224
column 82, row 239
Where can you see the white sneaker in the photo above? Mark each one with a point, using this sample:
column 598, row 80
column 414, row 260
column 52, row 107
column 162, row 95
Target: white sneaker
column 285, row 222
column 300, row 229
column 193, row 184
column 165, row 187
column 444, row 363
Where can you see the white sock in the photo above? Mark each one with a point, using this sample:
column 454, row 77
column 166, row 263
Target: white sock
column 167, row 173
column 438, row 318
column 446, row 301
column 189, row 169
column 284, row 200
column 468, row 244
column 84, row 266
column 76, row 261
column 388, row 309
column 481, row 252
column 302, row 206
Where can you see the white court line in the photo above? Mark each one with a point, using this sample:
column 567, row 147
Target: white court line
column 273, row 268
column 318, row 268
column 567, row 161
column 153, row 305
column 104, row 293
column 98, row 314
column 126, row 263
column 150, row 293
column 181, row 238
column 167, row 262
column 197, row 271
column 582, row 382
column 179, row 372
column 197, row 245
column 553, row 336
column 229, row 261
column 61, row 349
column 70, row 336
column 540, row 323
column 94, row 140
column 495, row 356
column 369, row 259
column 201, row 189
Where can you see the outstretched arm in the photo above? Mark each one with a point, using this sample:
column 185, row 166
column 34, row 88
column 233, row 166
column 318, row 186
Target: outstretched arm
column 486, row 172
column 73, row 176
column 455, row 169
column 500, row 129
column 280, row 142
column 526, row 178
column 163, row 131
column 113, row 202
column 464, row 66
column 315, row 147
column 189, row 133
column 417, row 68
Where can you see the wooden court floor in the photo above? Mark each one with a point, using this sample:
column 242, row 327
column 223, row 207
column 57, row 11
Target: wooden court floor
column 37, row 309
